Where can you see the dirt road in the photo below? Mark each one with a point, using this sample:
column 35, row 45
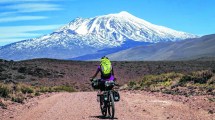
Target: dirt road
column 83, row 105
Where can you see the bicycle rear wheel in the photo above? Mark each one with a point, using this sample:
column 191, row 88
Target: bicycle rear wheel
column 111, row 109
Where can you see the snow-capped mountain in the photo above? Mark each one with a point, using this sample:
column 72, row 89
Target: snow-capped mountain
column 122, row 26
column 87, row 36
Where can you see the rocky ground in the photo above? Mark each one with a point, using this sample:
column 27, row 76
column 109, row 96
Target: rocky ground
column 51, row 72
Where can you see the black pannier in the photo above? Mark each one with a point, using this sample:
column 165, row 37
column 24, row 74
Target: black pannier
column 116, row 96
column 95, row 84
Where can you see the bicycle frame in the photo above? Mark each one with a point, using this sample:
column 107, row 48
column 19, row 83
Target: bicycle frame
column 107, row 101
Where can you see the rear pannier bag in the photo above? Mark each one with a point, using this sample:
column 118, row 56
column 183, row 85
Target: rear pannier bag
column 116, row 96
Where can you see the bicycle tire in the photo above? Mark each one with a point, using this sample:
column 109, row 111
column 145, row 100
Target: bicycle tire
column 103, row 106
column 111, row 108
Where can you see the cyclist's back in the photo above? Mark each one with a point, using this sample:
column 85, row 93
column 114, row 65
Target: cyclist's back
column 109, row 78
column 106, row 70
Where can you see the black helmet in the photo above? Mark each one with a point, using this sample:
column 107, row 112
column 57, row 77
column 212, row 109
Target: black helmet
column 104, row 57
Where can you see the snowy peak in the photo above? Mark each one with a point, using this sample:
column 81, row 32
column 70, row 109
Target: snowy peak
column 122, row 26
column 124, row 13
column 120, row 14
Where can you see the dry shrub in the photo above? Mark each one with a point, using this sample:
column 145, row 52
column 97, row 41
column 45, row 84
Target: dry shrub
column 202, row 76
column 4, row 90
column 26, row 89
column 211, row 81
column 19, row 97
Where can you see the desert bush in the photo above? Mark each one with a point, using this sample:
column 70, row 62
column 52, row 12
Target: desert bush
column 26, row 89
column 194, row 83
column 19, row 92
column 37, row 93
column 15, row 92
column 172, row 92
column 36, row 83
column 45, row 89
column 4, row 90
column 185, row 79
column 196, row 77
column 202, row 76
column 211, row 80
column 205, row 87
column 164, row 80
column 166, row 83
column 63, row 88
column 57, row 89
column 18, row 98
column 149, row 80
column 131, row 84
column 211, row 99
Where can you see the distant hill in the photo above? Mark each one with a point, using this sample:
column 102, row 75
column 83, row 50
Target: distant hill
column 190, row 49
column 205, row 59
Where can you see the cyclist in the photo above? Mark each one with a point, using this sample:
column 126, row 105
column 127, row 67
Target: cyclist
column 107, row 73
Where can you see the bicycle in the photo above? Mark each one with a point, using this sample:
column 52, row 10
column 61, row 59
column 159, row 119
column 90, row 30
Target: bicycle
column 107, row 99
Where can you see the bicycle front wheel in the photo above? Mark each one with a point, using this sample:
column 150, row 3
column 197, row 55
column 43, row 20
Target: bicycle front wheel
column 111, row 109
column 103, row 106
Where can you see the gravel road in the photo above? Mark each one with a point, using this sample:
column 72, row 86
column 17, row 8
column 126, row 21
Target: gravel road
column 83, row 105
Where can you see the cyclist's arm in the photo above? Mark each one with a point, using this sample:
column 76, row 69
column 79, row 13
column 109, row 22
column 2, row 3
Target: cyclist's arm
column 95, row 74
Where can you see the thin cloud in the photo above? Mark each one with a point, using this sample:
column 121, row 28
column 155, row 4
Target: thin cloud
column 13, row 33
column 26, row 29
column 7, row 13
column 18, row 36
column 5, row 41
column 13, row 1
column 33, row 7
column 21, row 18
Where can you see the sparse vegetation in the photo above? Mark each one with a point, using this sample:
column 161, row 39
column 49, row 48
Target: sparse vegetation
column 4, row 91
column 211, row 99
column 57, row 89
column 19, row 92
column 63, row 88
column 194, row 83
column 18, row 98
column 27, row 89
column 172, row 77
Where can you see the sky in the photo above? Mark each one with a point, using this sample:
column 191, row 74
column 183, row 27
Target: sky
column 26, row 19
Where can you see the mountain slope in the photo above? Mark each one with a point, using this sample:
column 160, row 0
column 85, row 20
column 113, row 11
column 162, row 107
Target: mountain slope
column 87, row 36
column 115, row 28
column 182, row 50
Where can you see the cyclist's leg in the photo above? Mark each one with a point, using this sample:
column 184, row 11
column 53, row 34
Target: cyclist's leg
column 100, row 83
